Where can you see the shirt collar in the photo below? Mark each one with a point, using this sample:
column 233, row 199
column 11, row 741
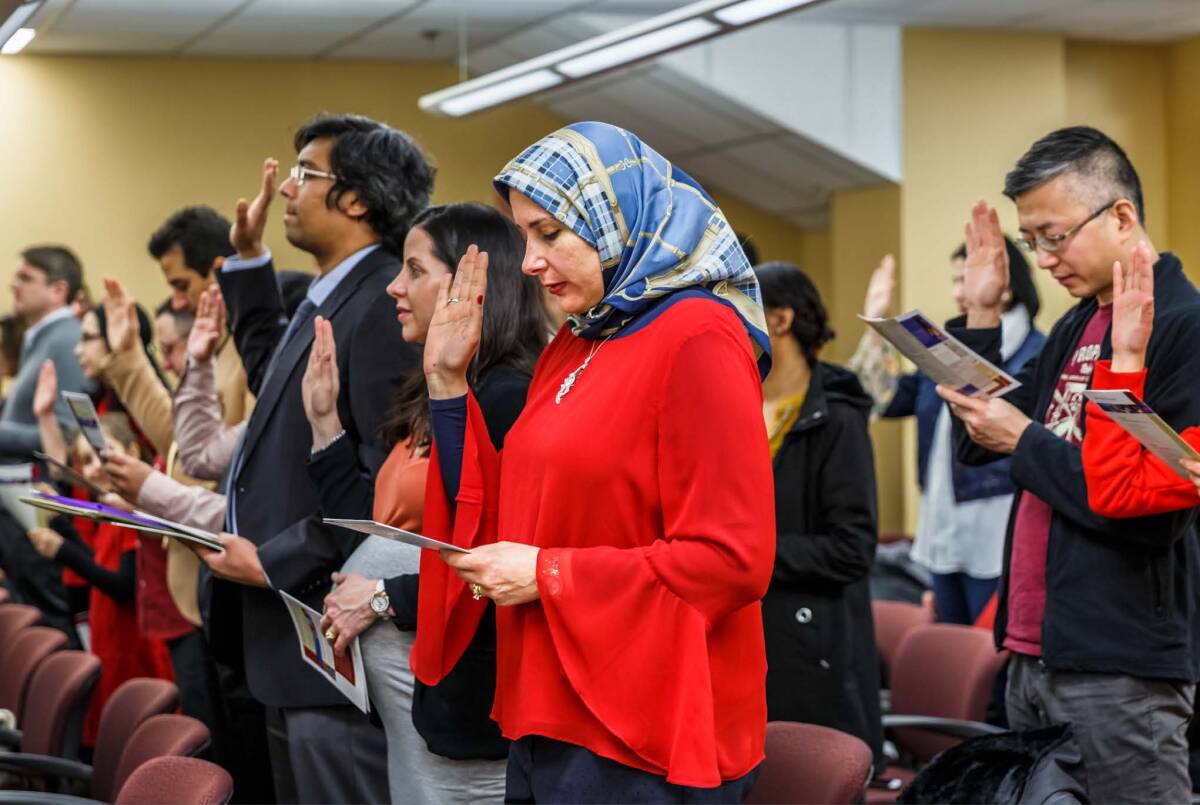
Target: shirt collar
column 63, row 312
column 323, row 286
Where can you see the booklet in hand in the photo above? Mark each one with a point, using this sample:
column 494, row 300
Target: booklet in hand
column 137, row 520
column 64, row 473
column 942, row 357
column 346, row 672
column 398, row 534
column 89, row 421
column 1142, row 423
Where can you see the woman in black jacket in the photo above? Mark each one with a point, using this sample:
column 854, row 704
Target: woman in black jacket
column 822, row 666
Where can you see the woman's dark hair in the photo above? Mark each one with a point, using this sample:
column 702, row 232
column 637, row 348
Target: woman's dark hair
column 1021, row 286
column 145, row 334
column 784, row 285
column 381, row 164
column 515, row 327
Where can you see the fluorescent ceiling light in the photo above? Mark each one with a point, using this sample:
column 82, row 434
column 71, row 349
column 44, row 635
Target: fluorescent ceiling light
column 639, row 47
column 752, row 10
column 17, row 42
column 16, row 20
column 499, row 92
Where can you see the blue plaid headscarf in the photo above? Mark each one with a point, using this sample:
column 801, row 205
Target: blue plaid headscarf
column 656, row 230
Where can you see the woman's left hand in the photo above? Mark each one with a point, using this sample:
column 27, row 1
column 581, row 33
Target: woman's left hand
column 505, row 572
column 1193, row 468
column 46, row 541
column 348, row 610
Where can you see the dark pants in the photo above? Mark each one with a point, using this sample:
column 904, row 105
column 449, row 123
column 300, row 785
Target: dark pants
column 193, row 675
column 1132, row 732
column 960, row 598
column 336, row 754
column 240, row 735
column 544, row 770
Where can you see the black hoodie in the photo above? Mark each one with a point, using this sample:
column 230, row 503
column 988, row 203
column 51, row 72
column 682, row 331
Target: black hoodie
column 823, row 667
column 1121, row 595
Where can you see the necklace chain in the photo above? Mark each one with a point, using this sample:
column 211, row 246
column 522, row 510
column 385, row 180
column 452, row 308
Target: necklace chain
column 570, row 380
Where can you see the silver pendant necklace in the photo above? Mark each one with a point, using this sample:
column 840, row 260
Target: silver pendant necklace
column 570, row 380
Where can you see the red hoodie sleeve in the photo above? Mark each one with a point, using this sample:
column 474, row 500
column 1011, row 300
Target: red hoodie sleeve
column 447, row 613
column 1123, row 478
column 647, row 635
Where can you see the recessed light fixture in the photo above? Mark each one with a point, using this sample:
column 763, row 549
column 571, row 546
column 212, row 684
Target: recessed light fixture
column 13, row 35
column 643, row 40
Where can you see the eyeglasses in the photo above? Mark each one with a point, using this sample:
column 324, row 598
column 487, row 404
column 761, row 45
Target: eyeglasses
column 1053, row 243
column 299, row 174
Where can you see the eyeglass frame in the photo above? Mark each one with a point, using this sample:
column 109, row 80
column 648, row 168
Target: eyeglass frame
column 1052, row 244
column 301, row 173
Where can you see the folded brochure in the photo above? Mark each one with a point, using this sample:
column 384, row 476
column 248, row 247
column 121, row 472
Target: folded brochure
column 398, row 534
column 137, row 520
column 942, row 357
column 346, row 672
column 1142, row 423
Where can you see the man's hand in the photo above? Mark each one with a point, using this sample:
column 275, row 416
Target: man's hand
column 986, row 274
column 880, row 289
column 246, row 234
column 126, row 472
column 116, row 501
column 238, row 562
column 45, row 396
column 46, row 541
column 348, row 610
column 1133, row 310
column 208, row 326
column 505, row 572
column 994, row 424
column 121, row 312
column 321, row 385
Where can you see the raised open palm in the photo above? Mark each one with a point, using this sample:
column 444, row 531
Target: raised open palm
column 46, row 393
column 1133, row 309
column 456, row 326
column 986, row 276
column 880, row 289
column 321, row 385
column 120, row 310
column 208, row 326
column 246, row 234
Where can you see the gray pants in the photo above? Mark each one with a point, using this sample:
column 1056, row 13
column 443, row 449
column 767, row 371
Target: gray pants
column 1132, row 732
column 336, row 755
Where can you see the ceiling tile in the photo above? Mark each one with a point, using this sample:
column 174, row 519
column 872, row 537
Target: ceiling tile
column 130, row 26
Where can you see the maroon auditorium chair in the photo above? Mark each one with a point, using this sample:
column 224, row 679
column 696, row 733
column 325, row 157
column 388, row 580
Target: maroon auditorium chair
column 942, row 682
column 128, row 708
column 20, row 657
column 15, row 618
column 893, row 621
column 806, row 763
column 55, row 704
column 183, row 780
column 161, row 736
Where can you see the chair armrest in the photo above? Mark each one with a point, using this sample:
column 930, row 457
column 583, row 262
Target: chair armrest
column 26, row 765
column 955, row 727
column 10, row 738
column 42, row 798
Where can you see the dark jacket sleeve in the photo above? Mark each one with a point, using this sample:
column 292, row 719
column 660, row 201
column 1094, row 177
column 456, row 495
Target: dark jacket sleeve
column 842, row 551
column 119, row 585
column 904, row 401
column 372, row 361
column 256, row 317
column 346, row 486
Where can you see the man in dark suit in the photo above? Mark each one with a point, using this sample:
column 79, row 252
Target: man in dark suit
column 349, row 201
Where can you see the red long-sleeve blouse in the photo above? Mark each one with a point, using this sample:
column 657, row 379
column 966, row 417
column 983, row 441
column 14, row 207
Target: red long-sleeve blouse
column 649, row 491
column 1125, row 479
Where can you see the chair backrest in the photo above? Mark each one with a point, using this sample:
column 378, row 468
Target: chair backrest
column 15, row 618
column 20, row 658
column 807, row 763
column 128, row 708
column 56, row 701
column 161, row 736
column 184, row 780
column 944, row 670
column 5, row 595
column 893, row 621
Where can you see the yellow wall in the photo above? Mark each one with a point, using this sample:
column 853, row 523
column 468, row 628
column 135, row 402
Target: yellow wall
column 1183, row 153
column 101, row 150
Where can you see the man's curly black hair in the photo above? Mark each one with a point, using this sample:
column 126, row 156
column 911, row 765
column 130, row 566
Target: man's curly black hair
column 383, row 165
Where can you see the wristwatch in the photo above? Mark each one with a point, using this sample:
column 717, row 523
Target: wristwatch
column 380, row 603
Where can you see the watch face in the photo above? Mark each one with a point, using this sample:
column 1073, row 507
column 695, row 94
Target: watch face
column 379, row 604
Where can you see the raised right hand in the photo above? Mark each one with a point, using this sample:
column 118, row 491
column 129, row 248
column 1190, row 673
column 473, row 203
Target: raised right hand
column 121, row 312
column 46, row 394
column 455, row 328
column 208, row 326
column 880, row 289
column 246, row 234
column 986, row 276
column 321, row 384
column 1133, row 310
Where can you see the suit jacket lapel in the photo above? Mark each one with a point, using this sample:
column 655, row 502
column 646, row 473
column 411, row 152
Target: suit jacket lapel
column 278, row 382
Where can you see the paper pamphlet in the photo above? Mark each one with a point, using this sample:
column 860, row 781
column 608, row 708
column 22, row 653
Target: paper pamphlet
column 398, row 534
column 64, row 473
column 137, row 520
column 1140, row 422
column 89, row 421
column 345, row 672
column 942, row 357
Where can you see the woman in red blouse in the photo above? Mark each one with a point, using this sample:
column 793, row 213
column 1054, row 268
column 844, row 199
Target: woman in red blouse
column 626, row 531
column 1125, row 479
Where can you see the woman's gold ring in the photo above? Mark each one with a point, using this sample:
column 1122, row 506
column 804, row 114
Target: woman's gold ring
column 476, row 591
column 331, row 633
